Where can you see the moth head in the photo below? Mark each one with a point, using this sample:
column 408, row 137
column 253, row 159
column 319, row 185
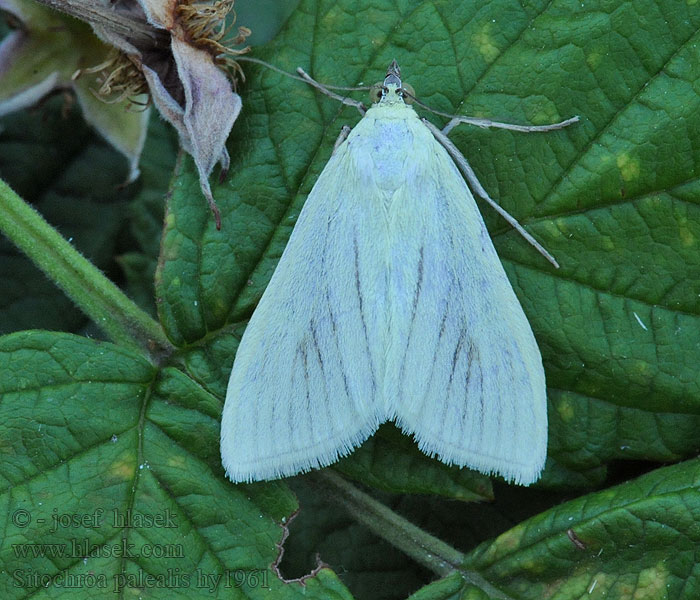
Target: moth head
column 392, row 88
column 379, row 92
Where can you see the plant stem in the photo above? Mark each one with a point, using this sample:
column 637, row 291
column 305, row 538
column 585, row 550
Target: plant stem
column 85, row 284
column 424, row 548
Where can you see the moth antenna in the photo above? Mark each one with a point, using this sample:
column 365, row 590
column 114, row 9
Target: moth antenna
column 349, row 101
column 362, row 88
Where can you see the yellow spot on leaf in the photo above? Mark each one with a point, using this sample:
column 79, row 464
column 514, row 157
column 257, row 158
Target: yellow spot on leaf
column 485, row 43
column 629, row 167
column 651, row 584
column 596, row 54
column 122, row 469
column 641, row 370
column 506, row 543
column 220, row 307
column 544, row 116
column 132, row 592
column 566, row 411
column 607, row 243
column 177, row 462
column 534, row 566
column 593, row 60
column 686, row 235
column 556, row 228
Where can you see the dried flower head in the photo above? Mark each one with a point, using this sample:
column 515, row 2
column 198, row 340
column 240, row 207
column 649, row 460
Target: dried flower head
column 200, row 101
column 120, row 79
column 205, row 25
column 40, row 56
column 180, row 53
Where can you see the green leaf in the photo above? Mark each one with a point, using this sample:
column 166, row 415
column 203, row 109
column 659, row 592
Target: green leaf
column 103, row 454
column 585, row 432
column 636, row 540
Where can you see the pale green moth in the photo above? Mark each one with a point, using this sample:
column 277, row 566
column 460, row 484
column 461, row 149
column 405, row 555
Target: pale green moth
column 388, row 303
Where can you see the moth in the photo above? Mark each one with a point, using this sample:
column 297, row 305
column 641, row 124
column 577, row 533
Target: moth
column 389, row 303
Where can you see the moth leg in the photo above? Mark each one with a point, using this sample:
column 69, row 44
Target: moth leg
column 454, row 121
column 344, row 133
column 486, row 124
column 467, row 171
column 349, row 101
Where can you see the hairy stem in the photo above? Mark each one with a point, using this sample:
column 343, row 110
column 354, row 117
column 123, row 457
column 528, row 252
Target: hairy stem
column 85, row 284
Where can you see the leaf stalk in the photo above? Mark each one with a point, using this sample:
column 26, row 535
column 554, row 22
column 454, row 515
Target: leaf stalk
column 431, row 552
